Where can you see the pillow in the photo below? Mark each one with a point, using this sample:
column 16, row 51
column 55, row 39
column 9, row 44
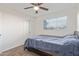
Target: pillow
column 76, row 34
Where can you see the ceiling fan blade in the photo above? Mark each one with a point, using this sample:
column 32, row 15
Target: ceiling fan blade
column 44, row 8
column 28, row 7
column 36, row 12
column 34, row 4
column 40, row 3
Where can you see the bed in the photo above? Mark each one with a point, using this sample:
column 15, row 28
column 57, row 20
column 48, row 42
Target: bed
column 60, row 46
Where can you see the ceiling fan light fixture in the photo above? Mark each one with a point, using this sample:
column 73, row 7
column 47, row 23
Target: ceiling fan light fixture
column 36, row 8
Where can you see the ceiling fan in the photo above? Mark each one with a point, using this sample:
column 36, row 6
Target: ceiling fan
column 36, row 7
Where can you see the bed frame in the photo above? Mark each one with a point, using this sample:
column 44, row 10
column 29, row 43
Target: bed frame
column 41, row 53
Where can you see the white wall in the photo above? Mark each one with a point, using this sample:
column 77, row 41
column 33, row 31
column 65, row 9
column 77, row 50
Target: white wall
column 71, row 23
column 14, row 29
column 0, row 31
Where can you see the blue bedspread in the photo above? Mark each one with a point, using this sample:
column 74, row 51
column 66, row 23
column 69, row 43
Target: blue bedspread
column 67, row 46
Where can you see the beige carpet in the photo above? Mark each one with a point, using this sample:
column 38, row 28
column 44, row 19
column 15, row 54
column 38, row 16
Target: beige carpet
column 18, row 51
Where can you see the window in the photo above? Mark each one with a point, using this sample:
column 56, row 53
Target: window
column 56, row 23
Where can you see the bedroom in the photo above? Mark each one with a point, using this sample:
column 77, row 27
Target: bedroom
column 18, row 24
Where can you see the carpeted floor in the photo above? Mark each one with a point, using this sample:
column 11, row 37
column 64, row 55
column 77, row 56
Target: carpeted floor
column 18, row 51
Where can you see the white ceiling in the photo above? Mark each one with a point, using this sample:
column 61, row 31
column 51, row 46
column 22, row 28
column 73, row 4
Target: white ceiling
column 53, row 7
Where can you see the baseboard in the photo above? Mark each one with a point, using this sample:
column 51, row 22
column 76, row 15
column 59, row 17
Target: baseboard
column 11, row 48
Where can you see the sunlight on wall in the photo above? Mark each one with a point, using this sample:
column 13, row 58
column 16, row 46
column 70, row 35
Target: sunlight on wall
column 26, row 26
column 78, row 22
